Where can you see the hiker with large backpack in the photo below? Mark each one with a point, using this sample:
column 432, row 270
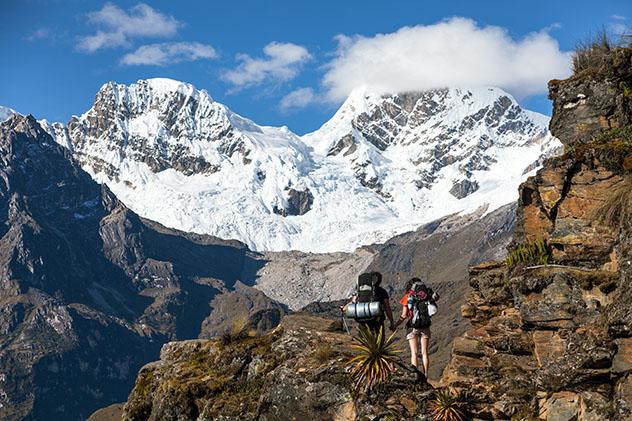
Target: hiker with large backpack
column 418, row 305
column 370, row 304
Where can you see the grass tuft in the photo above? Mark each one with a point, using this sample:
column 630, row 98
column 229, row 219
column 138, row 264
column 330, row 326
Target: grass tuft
column 323, row 353
column 617, row 208
column 535, row 253
column 593, row 52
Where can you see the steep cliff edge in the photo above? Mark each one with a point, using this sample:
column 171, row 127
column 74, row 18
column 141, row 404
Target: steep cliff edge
column 554, row 340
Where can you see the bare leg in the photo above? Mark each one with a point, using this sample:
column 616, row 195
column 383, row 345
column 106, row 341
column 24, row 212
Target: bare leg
column 413, row 351
column 424, row 353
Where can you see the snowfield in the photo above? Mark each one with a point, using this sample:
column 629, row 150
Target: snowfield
column 383, row 165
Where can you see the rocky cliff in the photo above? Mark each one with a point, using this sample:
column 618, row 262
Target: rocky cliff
column 551, row 333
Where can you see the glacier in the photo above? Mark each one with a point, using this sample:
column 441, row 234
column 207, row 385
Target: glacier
column 381, row 166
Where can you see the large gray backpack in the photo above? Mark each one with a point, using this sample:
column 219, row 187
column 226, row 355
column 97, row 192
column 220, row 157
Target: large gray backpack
column 367, row 306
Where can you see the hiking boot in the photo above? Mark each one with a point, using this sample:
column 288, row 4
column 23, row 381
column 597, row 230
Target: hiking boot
column 419, row 376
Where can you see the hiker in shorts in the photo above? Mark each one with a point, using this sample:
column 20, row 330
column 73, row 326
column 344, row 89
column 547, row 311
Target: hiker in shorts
column 418, row 305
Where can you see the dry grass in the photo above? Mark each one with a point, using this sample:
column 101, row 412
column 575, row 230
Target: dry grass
column 323, row 353
column 617, row 208
column 593, row 52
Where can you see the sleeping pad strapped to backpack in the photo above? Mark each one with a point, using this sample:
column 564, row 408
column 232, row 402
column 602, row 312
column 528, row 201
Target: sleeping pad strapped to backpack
column 367, row 305
column 418, row 306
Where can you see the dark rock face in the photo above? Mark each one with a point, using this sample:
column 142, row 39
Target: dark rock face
column 299, row 202
column 463, row 188
column 89, row 291
column 593, row 100
column 553, row 341
column 346, row 144
column 296, row 372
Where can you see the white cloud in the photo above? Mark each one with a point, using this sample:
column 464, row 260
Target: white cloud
column 454, row 52
column 299, row 98
column 283, row 62
column 41, row 33
column 117, row 26
column 168, row 53
column 618, row 29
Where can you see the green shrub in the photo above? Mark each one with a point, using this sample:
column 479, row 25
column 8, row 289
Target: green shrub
column 535, row 253
column 623, row 134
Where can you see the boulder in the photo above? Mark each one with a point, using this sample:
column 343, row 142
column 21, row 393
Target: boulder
column 622, row 362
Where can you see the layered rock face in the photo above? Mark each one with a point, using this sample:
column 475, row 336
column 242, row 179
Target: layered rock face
column 554, row 341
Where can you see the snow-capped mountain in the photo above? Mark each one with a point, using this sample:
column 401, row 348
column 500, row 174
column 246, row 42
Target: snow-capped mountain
column 381, row 166
column 5, row 113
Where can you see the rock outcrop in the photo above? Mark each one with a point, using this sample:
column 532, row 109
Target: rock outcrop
column 552, row 341
column 297, row 372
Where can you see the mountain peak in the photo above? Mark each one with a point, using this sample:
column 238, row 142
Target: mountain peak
column 5, row 113
column 383, row 165
column 153, row 91
column 23, row 124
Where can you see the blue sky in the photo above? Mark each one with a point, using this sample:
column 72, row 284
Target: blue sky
column 287, row 62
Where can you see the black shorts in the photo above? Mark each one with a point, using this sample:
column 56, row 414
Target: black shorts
column 373, row 325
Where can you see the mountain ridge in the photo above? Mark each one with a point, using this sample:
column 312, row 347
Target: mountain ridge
column 176, row 156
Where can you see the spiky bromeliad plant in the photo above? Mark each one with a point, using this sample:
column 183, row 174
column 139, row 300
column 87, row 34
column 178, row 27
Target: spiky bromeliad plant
column 375, row 359
column 449, row 406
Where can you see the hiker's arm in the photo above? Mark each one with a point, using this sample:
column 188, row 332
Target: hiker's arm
column 352, row 300
column 434, row 297
column 402, row 317
column 388, row 311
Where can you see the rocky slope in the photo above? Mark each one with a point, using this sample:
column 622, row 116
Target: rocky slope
column 383, row 165
column 88, row 290
column 319, row 348
column 554, row 341
column 296, row 372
